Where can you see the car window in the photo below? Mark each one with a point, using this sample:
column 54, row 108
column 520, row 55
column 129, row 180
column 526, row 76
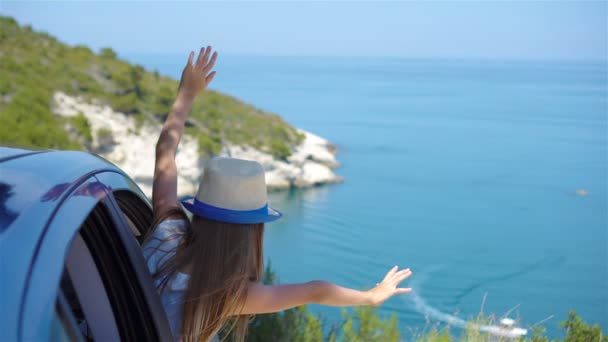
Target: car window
column 70, row 310
column 100, row 297
column 136, row 212
column 90, row 256
column 82, row 286
column 64, row 326
column 108, row 241
column 59, row 331
column 114, row 232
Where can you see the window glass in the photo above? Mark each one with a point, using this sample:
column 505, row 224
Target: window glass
column 136, row 212
column 105, row 286
column 73, row 307
column 64, row 326
column 121, row 268
column 59, row 331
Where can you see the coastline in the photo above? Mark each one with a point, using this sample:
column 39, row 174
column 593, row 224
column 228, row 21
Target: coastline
column 131, row 147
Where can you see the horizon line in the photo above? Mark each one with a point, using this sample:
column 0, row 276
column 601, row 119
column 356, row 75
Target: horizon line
column 125, row 54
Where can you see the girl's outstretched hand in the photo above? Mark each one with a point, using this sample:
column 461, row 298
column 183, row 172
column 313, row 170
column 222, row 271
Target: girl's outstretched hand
column 388, row 287
column 197, row 74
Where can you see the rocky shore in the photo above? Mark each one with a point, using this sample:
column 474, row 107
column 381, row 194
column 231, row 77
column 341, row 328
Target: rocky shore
column 117, row 137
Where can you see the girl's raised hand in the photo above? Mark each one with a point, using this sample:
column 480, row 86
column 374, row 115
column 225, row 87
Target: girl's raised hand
column 388, row 287
column 197, row 74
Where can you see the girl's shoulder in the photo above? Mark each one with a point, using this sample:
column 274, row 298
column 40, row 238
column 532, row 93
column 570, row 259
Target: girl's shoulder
column 171, row 221
column 163, row 241
column 170, row 227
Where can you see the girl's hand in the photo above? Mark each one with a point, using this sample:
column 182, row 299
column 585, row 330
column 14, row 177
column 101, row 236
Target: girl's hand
column 388, row 287
column 197, row 76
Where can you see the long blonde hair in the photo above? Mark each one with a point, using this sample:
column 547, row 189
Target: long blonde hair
column 221, row 259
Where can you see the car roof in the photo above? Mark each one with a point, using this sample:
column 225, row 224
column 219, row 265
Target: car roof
column 31, row 178
column 7, row 153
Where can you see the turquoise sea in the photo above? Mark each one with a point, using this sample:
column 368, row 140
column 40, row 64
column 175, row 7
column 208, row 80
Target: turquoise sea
column 466, row 171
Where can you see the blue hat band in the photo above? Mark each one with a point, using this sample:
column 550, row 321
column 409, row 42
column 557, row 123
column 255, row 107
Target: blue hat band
column 261, row 215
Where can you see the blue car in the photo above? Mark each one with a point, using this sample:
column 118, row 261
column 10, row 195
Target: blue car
column 71, row 227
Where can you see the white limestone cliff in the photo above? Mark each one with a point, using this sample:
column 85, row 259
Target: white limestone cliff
column 132, row 149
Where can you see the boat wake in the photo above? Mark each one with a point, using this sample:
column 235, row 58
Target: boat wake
column 433, row 313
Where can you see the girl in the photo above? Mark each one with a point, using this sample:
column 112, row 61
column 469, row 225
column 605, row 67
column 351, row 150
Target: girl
column 208, row 270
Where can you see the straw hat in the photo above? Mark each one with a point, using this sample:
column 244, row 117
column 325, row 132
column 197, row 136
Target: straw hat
column 234, row 191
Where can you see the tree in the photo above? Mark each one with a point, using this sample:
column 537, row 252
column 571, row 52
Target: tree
column 137, row 73
column 579, row 331
column 107, row 52
column 165, row 98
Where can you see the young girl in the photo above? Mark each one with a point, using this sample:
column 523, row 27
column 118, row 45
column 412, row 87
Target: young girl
column 208, row 270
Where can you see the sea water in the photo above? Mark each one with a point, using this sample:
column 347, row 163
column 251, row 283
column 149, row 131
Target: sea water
column 487, row 178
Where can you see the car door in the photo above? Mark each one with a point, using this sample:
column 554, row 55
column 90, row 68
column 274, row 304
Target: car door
column 88, row 280
column 134, row 214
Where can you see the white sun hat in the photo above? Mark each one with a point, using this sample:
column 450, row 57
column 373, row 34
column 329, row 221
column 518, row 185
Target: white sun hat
column 234, row 191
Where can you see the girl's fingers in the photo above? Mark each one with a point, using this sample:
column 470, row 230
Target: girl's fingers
column 390, row 273
column 401, row 277
column 190, row 58
column 402, row 272
column 209, row 77
column 403, row 290
column 211, row 63
column 205, row 58
column 200, row 56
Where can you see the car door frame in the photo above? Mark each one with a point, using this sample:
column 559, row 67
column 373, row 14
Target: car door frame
column 43, row 284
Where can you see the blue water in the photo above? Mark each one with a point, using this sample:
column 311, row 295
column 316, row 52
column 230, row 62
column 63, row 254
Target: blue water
column 464, row 171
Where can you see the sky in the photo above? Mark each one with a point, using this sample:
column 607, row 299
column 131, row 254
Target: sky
column 572, row 30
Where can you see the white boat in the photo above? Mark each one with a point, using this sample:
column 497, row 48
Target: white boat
column 506, row 328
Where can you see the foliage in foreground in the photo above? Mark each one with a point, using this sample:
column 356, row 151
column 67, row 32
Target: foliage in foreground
column 576, row 331
column 364, row 324
column 34, row 65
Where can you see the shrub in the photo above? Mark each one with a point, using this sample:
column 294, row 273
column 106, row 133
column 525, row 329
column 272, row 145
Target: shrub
column 279, row 150
column 82, row 127
column 28, row 122
column 107, row 52
column 208, row 146
column 365, row 325
column 104, row 137
column 579, row 331
column 126, row 103
column 164, row 98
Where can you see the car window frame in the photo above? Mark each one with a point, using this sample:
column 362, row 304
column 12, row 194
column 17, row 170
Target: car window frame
column 43, row 284
column 66, row 318
column 40, row 293
column 118, row 182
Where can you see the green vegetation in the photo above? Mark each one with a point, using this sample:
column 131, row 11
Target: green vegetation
column 104, row 135
column 82, row 127
column 279, row 149
column 34, row 65
column 364, row 324
column 576, row 331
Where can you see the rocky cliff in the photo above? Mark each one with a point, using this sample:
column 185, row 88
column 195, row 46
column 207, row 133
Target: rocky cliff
column 130, row 145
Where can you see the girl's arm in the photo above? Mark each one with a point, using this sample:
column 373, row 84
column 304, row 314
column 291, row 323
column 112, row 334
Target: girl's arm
column 195, row 78
column 264, row 299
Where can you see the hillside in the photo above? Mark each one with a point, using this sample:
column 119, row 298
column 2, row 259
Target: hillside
column 55, row 96
column 35, row 65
